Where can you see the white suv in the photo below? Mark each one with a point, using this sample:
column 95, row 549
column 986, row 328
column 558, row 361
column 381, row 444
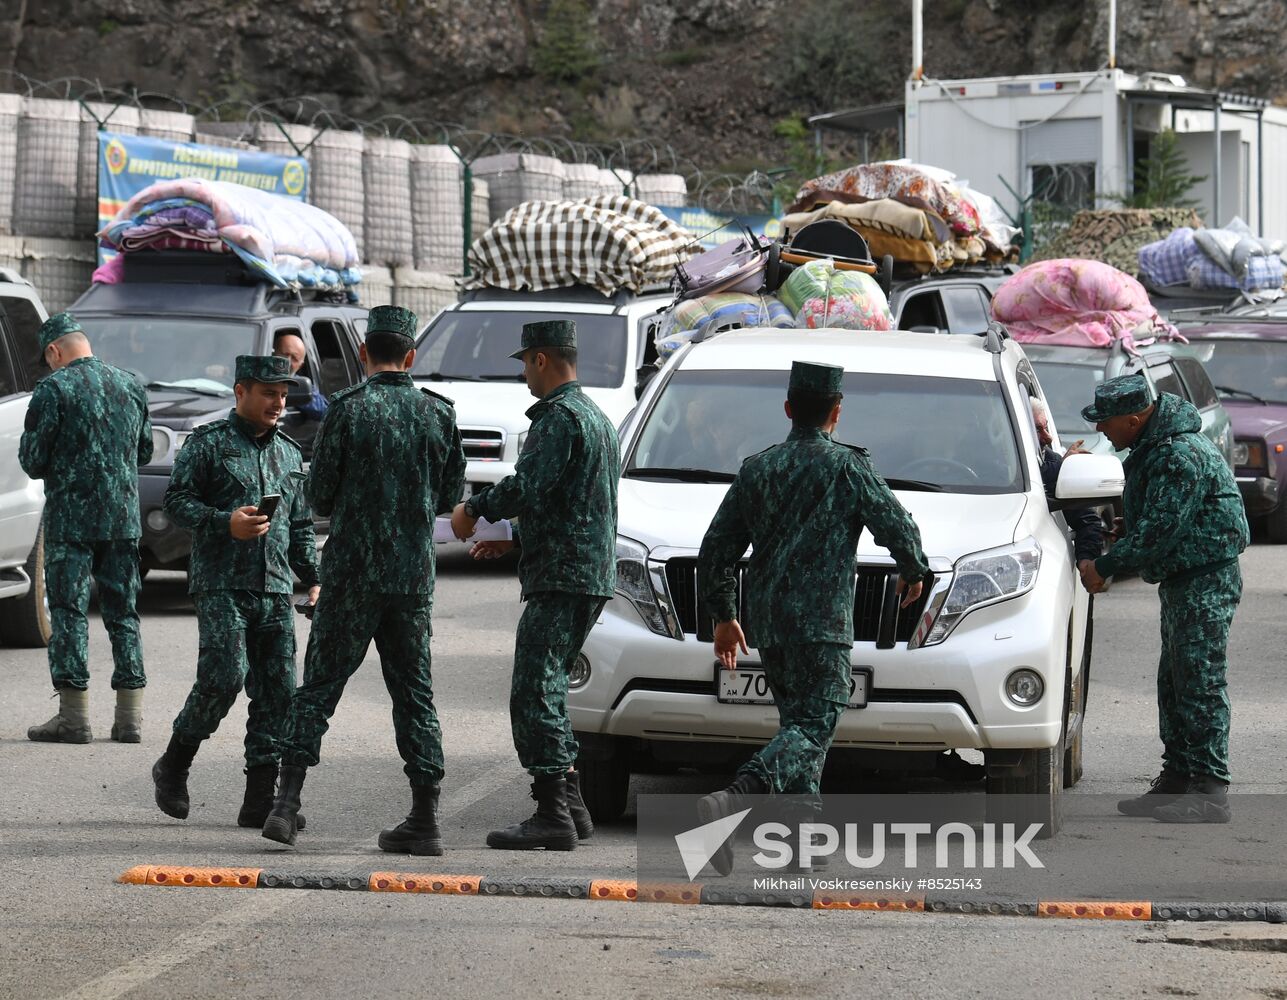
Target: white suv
column 464, row 353
column 993, row 657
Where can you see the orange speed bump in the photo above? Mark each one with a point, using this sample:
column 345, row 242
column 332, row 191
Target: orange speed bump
column 666, row 892
column 615, row 889
column 446, row 885
column 1095, row 911
column 207, row 878
column 858, row 901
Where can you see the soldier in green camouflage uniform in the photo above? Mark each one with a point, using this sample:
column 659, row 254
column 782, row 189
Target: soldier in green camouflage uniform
column 240, row 580
column 564, row 493
column 802, row 505
column 86, row 433
column 1183, row 529
column 388, row 459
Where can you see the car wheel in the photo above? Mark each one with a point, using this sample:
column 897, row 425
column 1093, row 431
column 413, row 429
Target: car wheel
column 1276, row 525
column 24, row 621
column 605, row 784
column 1073, row 769
column 1029, row 793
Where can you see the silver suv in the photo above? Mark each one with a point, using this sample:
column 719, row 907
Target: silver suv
column 24, row 613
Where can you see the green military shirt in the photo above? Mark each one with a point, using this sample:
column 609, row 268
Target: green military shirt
column 1182, row 507
column 564, row 494
column 802, row 504
column 224, row 466
column 387, row 461
column 87, row 432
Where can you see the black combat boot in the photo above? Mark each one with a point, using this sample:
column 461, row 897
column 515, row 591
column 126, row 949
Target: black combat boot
column 1205, row 800
column 418, row 833
column 261, row 784
column 550, row 827
column 576, row 806
column 283, row 822
column 1162, row 791
column 170, row 775
column 717, row 805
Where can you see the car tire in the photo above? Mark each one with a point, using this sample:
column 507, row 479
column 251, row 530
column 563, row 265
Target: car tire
column 1029, row 793
column 1276, row 525
column 1073, row 768
column 605, row 786
column 24, row 621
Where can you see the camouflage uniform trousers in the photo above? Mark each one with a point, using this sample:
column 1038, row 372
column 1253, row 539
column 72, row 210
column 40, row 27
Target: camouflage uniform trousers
column 344, row 624
column 1193, row 703
column 245, row 638
column 810, row 684
column 114, row 566
column 551, row 632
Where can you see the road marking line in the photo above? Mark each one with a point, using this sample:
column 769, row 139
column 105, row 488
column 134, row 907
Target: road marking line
column 233, row 923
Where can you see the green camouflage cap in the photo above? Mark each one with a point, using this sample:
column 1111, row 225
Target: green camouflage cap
column 820, row 380
column 548, row 333
column 264, row 368
column 1118, row 397
column 56, row 326
column 392, row 319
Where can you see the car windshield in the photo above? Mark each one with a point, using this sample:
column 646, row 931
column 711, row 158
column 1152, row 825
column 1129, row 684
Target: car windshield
column 1068, row 388
column 1258, row 367
column 947, row 434
column 475, row 345
column 197, row 354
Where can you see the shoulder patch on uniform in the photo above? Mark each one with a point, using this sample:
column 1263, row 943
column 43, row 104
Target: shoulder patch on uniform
column 437, row 395
column 854, row 447
column 283, row 436
column 210, row 428
column 759, row 453
column 347, row 391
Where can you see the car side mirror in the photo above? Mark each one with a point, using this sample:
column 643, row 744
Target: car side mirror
column 1085, row 479
column 642, row 377
column 300, row 394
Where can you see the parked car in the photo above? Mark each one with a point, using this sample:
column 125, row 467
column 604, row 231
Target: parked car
column 995, row 656
column 177, row 322
column 1069, row 375
column 464, row 353
column 956, row 301
column 1246, row 355
column 24, row 613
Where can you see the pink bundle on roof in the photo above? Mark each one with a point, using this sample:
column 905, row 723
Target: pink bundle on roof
column 1082, row 303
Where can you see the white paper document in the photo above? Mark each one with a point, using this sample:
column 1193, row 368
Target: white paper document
column 484, row 531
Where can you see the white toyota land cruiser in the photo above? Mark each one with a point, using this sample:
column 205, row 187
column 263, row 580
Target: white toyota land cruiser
column 993, row 657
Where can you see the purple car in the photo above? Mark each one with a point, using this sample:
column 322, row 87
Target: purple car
column 1245, row 353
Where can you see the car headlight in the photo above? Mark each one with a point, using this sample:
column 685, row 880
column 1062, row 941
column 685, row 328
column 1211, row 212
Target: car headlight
column 1249, row 454
column 181, row 439
column 635, row 585
column 160, row 445
column 984, row 578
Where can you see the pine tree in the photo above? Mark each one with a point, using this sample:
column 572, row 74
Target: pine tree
column 568, row 49
column 1162, row 179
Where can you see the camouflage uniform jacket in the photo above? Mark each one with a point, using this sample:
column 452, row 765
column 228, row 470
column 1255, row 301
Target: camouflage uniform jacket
column 224, row 466
column 564, row 493
column 87, row 432
column 802, row 504
column 387, row 460
column 1183, row 510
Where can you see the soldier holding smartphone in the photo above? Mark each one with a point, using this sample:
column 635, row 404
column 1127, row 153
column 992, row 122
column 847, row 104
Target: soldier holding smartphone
column 245, row 544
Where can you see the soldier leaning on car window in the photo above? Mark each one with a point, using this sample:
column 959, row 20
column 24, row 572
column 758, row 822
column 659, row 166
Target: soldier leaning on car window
column 388, row 460
column 86, row 433
column 564, row 491
column 1085, row 522
column 802, row 505
column 240, row 580
column 1183, row 528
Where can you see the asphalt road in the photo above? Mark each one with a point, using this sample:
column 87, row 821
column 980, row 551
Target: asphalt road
column 73, row 818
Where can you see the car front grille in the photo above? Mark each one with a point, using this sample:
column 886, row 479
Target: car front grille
column 482, row 444
column 877, row 617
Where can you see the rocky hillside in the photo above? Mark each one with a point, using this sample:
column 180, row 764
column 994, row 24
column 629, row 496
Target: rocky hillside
column 711, row 77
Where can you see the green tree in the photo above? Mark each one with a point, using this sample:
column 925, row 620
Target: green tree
column 568, row 49
column 1162, row 179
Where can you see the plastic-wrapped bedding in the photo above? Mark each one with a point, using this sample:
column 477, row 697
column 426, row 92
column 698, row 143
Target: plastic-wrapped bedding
column 1083, row 303
column 720, row 311
column 288, row 241
column 821, row 297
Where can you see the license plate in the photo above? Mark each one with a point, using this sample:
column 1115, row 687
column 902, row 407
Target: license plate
column 750, row 686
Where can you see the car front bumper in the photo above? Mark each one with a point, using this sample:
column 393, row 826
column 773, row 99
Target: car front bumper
column 1260, row 494
column 952, row 695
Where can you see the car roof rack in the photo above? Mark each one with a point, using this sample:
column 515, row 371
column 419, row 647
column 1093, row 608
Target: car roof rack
column 569, row 293
column 994, row 338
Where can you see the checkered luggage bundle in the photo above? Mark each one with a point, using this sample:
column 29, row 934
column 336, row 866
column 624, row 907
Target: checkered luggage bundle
column 610, row 242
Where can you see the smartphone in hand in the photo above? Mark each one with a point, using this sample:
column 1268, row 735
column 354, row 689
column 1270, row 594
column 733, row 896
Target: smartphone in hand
column 305, row 608
column 268, row 505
